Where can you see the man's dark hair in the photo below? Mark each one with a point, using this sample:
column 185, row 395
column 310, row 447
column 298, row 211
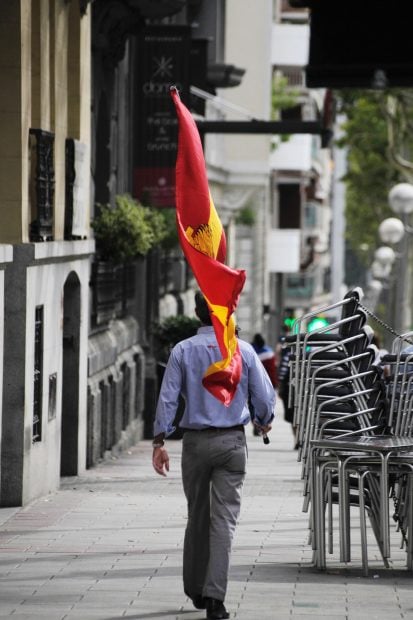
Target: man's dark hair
column 258, row 340
column 202, row 309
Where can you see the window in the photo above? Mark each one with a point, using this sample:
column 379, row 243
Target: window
column 125, row 372
column 291, row 114
column 38, row 373
column 52, row 396
column 289, row 205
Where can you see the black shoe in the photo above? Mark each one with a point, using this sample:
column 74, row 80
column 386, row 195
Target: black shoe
column 216, row 609
column 198, row 601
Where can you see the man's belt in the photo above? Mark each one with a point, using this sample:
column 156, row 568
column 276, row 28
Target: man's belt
column 219, row 429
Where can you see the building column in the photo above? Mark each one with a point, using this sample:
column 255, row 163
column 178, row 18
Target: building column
column 16, row 438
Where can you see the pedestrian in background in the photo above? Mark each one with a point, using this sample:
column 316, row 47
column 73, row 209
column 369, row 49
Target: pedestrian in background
column 267, row 357
column 214, row 455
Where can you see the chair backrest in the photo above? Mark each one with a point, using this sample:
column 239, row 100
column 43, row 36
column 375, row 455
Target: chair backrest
column 359, row 319
column 400, row 390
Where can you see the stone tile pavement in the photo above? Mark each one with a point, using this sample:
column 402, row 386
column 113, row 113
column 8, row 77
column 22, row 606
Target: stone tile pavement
column 108, row 546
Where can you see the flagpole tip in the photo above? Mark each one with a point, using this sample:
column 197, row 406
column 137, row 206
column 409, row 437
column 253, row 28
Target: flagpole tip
column 173, row 90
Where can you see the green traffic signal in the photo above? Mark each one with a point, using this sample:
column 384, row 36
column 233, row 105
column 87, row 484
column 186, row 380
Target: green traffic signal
column 318, row 322
column 289, row 321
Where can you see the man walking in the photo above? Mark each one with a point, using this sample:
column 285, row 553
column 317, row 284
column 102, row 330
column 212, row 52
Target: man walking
column 213, row 455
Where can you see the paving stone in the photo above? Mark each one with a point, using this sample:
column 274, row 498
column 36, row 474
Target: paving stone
column 108, row 545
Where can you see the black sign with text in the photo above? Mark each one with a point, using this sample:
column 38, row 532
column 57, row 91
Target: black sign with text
column 163, row 54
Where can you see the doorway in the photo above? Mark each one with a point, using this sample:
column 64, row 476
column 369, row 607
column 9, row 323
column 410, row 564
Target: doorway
column 70, row 377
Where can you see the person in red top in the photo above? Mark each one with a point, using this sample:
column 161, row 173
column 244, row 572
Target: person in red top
column 267, row 357
column 268, row 360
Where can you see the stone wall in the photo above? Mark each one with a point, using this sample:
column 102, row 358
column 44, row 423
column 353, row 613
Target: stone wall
column 116, row 377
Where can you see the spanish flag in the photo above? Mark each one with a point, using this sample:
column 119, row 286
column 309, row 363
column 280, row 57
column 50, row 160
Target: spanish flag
column 202, row 239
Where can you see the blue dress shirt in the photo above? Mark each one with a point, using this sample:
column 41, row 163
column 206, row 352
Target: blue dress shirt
column 186, row 366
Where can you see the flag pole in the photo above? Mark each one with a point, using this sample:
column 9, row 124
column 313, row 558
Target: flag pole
column 175, row 93
column 173, row 88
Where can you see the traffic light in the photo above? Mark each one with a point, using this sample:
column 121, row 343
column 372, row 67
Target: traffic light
column 317, row 322
column 289, row 322
column 289, row 318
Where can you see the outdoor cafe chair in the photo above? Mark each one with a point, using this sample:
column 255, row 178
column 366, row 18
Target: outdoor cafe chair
column 341, row 405
column 363, row 456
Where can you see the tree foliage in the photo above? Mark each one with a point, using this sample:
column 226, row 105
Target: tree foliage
column 170, row 241
column 282, row 95
column 378, row 134
column 369, row 173
column 399, row 114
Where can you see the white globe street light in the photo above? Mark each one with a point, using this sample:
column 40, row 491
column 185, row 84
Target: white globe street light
column 380, row 271
column 384, row 258
column 375, row 286
column 401, row 198
column 385, row 255
column 391, row 230
column 373, row 291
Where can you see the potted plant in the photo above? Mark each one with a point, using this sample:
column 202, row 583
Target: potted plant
column 123, row 233
column 172, row 330
column 127, row 230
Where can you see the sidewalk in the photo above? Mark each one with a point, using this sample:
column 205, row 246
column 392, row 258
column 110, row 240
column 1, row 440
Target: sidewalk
column 108, row 546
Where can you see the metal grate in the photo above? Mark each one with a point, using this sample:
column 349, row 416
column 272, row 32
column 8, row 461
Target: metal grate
column 38, row 374
column 295, row 76
column 41, row 184
column 52, row 396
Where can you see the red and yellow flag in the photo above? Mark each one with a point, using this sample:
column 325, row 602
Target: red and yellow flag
column 202, row 239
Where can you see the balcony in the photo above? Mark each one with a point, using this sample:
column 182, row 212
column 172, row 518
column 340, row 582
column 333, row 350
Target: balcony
column 293, row 155
column 290, row 44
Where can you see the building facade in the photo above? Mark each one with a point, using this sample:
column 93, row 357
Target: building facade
column 46, row 245
column 86, row 117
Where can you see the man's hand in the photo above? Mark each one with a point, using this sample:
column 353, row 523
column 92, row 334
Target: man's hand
column 263, row 430
column 160, row 461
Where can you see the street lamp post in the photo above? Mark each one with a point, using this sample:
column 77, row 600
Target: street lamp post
column 380, row 270
column 394, row 230
column 391, row 231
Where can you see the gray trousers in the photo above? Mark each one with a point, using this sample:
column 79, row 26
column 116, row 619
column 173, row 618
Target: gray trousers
column 213, row 472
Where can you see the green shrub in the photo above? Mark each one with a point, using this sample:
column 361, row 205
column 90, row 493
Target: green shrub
column 170, row 241
column 245, row 216
column 128, row 230
column 173, row 329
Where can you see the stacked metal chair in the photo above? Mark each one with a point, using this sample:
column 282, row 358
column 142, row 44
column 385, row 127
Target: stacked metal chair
column 354, row 427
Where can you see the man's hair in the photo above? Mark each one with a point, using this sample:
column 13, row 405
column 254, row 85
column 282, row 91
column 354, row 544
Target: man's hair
column 258, row 340
column 202, row 309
